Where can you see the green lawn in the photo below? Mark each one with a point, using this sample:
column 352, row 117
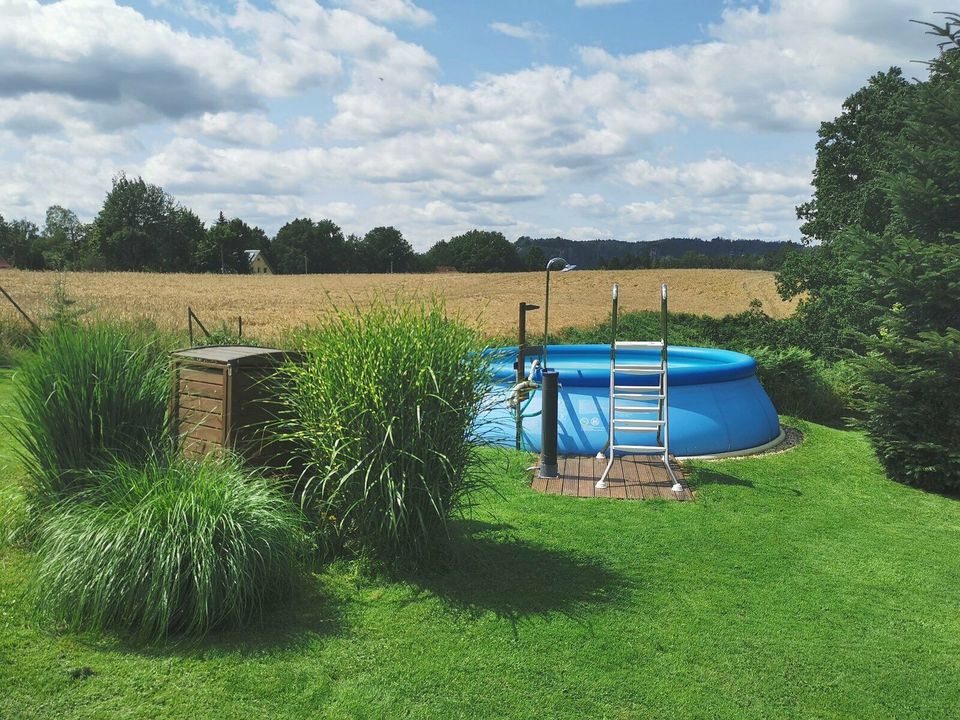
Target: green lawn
column 800, row 585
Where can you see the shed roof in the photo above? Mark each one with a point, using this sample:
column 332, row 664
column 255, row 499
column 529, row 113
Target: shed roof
column 235, row 355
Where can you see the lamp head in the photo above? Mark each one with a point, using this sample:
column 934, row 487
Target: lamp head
column 566, row 267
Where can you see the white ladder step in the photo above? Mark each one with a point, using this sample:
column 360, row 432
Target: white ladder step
column 642, row 369
column 627, row 424
column 644, row 409
column 639, row 448
column 632, row 392
column 639, row 343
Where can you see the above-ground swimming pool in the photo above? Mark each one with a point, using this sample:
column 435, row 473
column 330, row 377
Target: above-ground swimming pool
column 716, row 403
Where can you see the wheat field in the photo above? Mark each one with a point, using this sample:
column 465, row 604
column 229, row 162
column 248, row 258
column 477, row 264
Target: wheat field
column 271, row 304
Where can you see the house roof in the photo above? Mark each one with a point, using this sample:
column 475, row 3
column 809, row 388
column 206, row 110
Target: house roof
column 252, row 255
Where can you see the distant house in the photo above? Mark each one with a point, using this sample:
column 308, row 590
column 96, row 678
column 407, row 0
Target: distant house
column 4, row 265
column 258, row 263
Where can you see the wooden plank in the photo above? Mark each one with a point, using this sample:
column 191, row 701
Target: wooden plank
column 646, row 478
column 616, row 480
column 631, row 479
column 202, row 404
column 588, row 476
column 555, row 485
column 201, row 389
column 198, row 417
column 571, row 476
column 199, row 374
column 201, row 432
column 196, row 447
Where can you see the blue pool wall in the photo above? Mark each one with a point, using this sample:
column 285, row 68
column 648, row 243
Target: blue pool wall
column 716, row 402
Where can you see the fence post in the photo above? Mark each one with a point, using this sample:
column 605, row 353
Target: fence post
column 20, row 310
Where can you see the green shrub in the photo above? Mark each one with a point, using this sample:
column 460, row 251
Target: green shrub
column 799, row 385
column 381, row 416
column 87, row 395
column 910, row 404
column 165, row 549
column 741, row 332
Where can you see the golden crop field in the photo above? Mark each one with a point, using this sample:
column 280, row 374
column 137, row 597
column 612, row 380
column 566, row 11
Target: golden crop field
column 271, row 304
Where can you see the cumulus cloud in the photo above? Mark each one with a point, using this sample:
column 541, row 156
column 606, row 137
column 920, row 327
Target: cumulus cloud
column 299, row 108
column 390, row 11
column 785, row 69
column 716, row 176
column 114, row 56
column 232, row 128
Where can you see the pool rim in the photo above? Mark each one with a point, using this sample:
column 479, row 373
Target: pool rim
column 706, row 365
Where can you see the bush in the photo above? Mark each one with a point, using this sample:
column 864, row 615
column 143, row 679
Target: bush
column 87, row 395
column 741, row 332
column 910, row 399
column 176, row 548
column 381, row 416
column 798, row 384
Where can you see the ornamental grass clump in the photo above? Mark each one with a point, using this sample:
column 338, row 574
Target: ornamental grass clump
column 166, row 549
column 381, row 417
column 88, row 395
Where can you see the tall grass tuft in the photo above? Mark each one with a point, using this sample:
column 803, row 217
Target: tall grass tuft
column 87, row 395
column 381, row 416
column 164, row 549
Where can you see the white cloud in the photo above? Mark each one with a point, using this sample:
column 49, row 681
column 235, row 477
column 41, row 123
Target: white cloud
column 785, row 69
column 105, row 54
column 715, row 176
column 390, row 11
column 587, row 232
column 524, row 31
column 297, row 108
column 232, row 128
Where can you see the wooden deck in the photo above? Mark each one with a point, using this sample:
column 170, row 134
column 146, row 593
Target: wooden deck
column 635, row 477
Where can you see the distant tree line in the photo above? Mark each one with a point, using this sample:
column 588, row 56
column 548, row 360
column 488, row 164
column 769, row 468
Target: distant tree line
column 141, row 227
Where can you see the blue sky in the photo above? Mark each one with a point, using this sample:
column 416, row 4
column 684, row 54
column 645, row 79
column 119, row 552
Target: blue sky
column 635, row 119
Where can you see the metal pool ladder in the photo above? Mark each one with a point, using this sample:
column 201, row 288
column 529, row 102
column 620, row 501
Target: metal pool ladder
column 644, row 396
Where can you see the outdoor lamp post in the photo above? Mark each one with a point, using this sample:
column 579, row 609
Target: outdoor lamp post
column 567, row 267
column 550, row 385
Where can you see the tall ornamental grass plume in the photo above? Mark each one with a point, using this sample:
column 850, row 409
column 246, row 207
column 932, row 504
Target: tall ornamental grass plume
column 167, row 549
column 87, row 395
column 381, row 417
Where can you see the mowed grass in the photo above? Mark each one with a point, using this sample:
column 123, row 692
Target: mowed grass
column 273, row 304
column 798, row 585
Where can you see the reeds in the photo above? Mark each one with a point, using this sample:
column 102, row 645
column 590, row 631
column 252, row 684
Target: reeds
column 87, row 396
column 166, row 548
column 381, row 418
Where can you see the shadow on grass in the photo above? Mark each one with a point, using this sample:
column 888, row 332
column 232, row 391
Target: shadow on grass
column 700, row 477
column 297, row 622
column 493, row 571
